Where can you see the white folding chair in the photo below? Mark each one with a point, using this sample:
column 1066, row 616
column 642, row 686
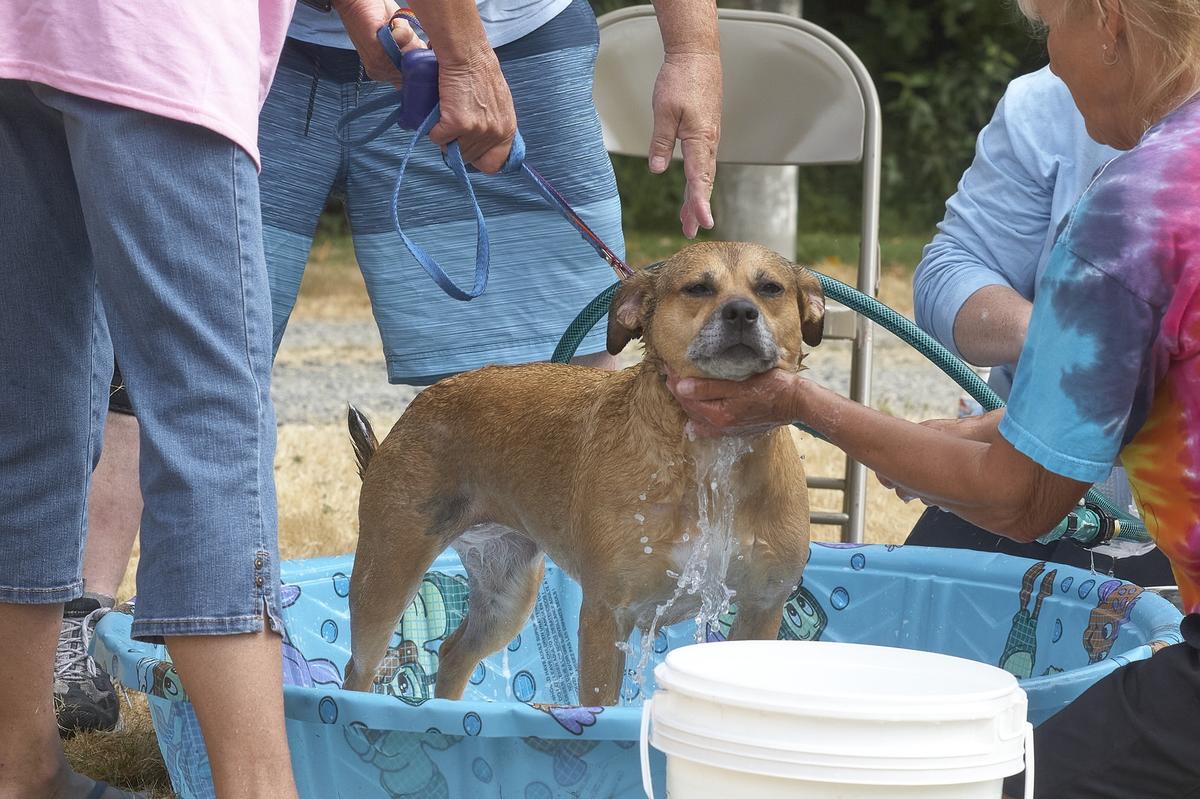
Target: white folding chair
column 794, row 94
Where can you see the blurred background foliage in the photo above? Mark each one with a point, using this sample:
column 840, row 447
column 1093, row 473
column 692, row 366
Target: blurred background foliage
column 940, row 66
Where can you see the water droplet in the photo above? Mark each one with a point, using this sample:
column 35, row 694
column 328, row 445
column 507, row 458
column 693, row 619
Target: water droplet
column 645, row 539
column 686, row 538
column 642, row 496
column 639, row 518
column 648, row 550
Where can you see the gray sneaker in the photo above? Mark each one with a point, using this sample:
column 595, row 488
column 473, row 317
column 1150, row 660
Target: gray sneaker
column 84, row 698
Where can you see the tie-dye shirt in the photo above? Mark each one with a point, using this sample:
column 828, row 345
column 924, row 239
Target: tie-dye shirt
column 1111, row 364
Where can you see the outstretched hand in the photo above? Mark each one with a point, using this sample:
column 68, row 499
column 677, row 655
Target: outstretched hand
column 687, row 108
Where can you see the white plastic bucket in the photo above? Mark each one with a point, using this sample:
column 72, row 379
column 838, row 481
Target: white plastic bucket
column 774, row 719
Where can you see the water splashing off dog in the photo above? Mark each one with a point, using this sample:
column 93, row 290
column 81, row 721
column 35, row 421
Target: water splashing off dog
column 709, row 552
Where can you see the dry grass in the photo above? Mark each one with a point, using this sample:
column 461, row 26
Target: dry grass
column 318, row 488
column 129, row 757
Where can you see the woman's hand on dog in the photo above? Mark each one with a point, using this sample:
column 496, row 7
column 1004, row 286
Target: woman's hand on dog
column 748, row 407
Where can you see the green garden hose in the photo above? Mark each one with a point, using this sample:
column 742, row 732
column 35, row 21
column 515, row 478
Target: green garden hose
column 1097, row 521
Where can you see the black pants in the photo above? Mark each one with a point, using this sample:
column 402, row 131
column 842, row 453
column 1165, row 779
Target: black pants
column 1133, row 735
column 937, row 528
column 118, row 397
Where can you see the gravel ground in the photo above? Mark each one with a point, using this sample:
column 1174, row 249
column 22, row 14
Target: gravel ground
column 323, row 365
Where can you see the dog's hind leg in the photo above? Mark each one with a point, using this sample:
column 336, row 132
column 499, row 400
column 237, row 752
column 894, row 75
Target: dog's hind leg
column 397, row 543
column 504, row 569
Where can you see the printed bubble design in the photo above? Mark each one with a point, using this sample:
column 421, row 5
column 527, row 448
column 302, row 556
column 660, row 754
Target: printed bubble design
column 341, row 584
column 327, row 709
column 660, row 642
column 858, row 562
column 329, row 630
column 839, row 599
column 479, row 675
column 472, row 724
column 514, row 644
column 482, row 770
column 538, row 790
column 1085, row 588
column 1058, row 631
column 1066, row 584
column 524, row 686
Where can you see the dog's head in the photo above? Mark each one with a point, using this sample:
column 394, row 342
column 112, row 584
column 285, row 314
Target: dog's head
column 720, row 309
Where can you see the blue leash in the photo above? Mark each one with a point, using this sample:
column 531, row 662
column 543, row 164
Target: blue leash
column 415, row 107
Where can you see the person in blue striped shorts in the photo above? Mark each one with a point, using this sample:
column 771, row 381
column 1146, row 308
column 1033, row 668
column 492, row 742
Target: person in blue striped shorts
column 543, row 273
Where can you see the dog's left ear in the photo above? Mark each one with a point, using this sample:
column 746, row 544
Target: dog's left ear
column 812, row 305
column 626, row 312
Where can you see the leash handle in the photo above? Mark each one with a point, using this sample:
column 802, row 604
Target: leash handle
column 415, row 107
column 644, row 749
column 454, row 160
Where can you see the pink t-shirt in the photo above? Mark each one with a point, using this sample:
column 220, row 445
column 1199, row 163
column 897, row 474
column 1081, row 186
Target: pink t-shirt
column 207, row 62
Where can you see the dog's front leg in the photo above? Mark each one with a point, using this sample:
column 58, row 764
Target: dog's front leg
column 601, row 664
column 757, row 622
column 760, row 602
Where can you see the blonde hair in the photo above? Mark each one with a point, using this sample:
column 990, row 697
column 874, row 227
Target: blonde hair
column 1173, row 27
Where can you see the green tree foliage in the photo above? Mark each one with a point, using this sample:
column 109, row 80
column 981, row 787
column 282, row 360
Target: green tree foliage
column 940, row 66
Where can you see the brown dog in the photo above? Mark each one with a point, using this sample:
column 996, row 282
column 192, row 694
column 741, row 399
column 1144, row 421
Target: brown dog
column 593, row 468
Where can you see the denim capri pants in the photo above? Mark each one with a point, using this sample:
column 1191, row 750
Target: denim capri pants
column 542, row 273
column 130, row 233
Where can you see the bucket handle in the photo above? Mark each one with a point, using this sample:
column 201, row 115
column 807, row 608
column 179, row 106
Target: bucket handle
column 1028, row 760
column 644, row 749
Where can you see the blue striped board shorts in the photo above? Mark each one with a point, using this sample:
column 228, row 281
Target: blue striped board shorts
column 542, row 272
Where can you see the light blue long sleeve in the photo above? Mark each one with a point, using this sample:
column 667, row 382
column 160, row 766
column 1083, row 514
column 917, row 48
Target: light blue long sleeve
column 1032, row 162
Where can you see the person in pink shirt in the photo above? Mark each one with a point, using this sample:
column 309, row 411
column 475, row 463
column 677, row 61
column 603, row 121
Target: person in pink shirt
column 130, row 225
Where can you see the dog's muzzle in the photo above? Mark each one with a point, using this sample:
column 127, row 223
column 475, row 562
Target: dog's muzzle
column 734, row 343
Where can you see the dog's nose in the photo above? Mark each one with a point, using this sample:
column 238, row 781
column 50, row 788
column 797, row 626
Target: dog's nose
column 739, row 314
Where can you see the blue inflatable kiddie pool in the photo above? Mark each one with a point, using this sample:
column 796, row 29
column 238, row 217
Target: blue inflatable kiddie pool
column 520, row 733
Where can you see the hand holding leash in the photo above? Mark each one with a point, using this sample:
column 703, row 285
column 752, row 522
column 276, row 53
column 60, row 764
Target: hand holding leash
column 414, row 106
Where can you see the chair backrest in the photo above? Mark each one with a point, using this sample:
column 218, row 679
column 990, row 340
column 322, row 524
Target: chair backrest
column 793, row 94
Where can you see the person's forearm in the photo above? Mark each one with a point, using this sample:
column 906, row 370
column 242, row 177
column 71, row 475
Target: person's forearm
column 688, row 26
column 990, row 328
column 958, row 474
column 454, row 28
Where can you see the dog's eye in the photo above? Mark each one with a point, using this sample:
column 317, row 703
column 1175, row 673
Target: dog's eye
column 770, row 289
column 698, row 290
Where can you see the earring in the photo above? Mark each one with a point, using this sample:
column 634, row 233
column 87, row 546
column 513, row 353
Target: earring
column 1110, row 62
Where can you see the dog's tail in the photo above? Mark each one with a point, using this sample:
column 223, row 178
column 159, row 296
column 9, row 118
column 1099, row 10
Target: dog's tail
column 362, row 437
